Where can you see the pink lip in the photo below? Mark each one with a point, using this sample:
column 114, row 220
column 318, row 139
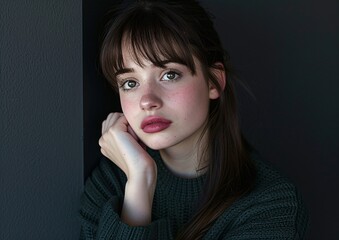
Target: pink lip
column 154, row 124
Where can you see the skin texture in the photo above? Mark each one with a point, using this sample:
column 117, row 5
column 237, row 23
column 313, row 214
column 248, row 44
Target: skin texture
column 170, row 93
column 184, row 101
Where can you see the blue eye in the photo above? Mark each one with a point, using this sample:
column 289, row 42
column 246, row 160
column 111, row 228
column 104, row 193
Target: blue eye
column 128, row 85
column 171, row 76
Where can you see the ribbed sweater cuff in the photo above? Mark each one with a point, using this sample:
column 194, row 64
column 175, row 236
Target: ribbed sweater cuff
column 111, row 226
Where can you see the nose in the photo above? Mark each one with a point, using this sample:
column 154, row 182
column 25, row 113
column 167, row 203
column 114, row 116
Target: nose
column 150, row 101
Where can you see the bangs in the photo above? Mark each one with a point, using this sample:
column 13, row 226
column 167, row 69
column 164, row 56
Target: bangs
column 154, row 36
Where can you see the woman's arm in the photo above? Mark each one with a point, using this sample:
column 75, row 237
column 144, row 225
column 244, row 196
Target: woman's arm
column 101, row 206
column 120, row 144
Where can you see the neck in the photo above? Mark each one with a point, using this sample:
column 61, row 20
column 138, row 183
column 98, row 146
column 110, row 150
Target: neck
column 184, row 161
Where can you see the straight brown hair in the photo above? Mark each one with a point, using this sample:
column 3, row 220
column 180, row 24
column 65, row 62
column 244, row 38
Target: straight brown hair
column 178, row 31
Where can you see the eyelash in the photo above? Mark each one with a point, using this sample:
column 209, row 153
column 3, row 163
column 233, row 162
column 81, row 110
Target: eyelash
column 122, row 85
column 177, row 77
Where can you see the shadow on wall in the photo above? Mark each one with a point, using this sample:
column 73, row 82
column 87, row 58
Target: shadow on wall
column 99, row 98
column 287, row 52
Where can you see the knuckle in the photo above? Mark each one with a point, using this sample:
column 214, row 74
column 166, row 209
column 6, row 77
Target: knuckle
column 111, row 130
column 101, row 141
column 103, row 152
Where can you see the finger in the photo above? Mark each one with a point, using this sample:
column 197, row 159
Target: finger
column 135, row 136
column 104, row 123
column 130, row 131
column 103, row 127
column 103, row 152
column 101, row 142
column 109, row 122
column 113, row 118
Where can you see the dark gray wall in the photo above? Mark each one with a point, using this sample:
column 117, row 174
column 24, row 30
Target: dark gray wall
column 287, row 53
column 41, row 145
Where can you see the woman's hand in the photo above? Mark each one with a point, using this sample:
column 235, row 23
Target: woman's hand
column 120, row 144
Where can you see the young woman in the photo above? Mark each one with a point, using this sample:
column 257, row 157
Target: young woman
column 176, row 165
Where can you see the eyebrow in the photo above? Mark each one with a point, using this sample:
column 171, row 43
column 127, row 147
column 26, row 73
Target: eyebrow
column 123, row 70
column 158, row 64
column 164, row 62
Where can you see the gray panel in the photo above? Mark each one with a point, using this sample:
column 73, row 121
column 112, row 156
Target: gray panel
column 41, row 124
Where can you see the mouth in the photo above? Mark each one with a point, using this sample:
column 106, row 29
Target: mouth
column 154, row 124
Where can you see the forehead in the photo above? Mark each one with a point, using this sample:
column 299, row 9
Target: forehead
column 132, row 62
column 131, row 56
column 140, row 49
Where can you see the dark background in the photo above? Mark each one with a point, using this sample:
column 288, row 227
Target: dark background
column 53, row 100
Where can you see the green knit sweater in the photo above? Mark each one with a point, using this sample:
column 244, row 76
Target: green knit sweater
column 273, row 210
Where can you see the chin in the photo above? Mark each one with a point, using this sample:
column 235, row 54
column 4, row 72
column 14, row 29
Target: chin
column 156, row 145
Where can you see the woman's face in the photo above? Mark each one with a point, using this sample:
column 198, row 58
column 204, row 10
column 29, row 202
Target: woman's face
column 166, row 107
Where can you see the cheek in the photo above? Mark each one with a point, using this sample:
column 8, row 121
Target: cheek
column 125, row 106
column 128, row 107
column 191, row 100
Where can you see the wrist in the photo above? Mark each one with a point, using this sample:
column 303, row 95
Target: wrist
column 143, row 176
column 138, row 201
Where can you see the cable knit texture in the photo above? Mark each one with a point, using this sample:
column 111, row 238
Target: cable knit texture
column 273, row 210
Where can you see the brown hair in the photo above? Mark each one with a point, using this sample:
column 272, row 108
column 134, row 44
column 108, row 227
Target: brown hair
column 178, row 31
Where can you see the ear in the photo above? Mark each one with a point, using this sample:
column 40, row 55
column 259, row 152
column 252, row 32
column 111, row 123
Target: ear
column 219, row 72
